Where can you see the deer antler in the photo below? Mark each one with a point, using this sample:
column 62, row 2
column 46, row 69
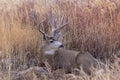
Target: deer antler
column 56, row 28
column 62, row 23
column 52, row 20
column 35, row 18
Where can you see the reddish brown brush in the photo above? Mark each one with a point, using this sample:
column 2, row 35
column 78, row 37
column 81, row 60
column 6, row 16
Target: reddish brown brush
column 94, row 27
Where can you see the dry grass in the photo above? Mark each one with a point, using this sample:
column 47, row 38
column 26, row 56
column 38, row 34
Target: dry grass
column 94, row 26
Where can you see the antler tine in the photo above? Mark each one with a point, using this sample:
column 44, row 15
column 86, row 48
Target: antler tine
column 37, row 22
column 52, row 21
column 62, row 24
column 57, row 32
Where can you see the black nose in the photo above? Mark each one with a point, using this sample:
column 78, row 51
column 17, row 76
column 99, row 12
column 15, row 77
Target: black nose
column 61, row 46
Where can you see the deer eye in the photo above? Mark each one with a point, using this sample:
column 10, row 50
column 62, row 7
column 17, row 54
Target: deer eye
column 51, row 41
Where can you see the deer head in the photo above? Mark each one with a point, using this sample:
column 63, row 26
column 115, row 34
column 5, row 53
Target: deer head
column 51, row 43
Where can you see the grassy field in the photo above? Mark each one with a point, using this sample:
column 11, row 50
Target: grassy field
column 94, row 26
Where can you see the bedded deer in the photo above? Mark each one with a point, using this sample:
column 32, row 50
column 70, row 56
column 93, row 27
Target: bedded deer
column 57, row 56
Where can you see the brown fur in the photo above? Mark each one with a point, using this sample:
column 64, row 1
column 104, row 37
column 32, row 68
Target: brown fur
column 69, row 59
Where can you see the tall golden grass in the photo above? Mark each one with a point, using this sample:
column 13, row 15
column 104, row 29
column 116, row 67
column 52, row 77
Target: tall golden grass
column 94, row 26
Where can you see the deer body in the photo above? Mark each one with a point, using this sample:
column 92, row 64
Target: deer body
column 53, row 51
column 65, row 59
column 69, row 59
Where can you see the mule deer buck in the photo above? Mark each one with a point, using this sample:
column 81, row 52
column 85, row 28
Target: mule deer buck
column 53, row 51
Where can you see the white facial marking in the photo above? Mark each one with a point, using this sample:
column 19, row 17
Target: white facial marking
column 56, row 43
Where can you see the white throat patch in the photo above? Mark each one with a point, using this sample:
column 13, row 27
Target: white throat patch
column 51, row 52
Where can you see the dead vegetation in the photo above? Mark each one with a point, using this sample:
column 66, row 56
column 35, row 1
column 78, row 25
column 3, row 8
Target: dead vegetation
column 94, row 27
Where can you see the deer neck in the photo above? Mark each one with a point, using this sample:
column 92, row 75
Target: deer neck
column 46, row 51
